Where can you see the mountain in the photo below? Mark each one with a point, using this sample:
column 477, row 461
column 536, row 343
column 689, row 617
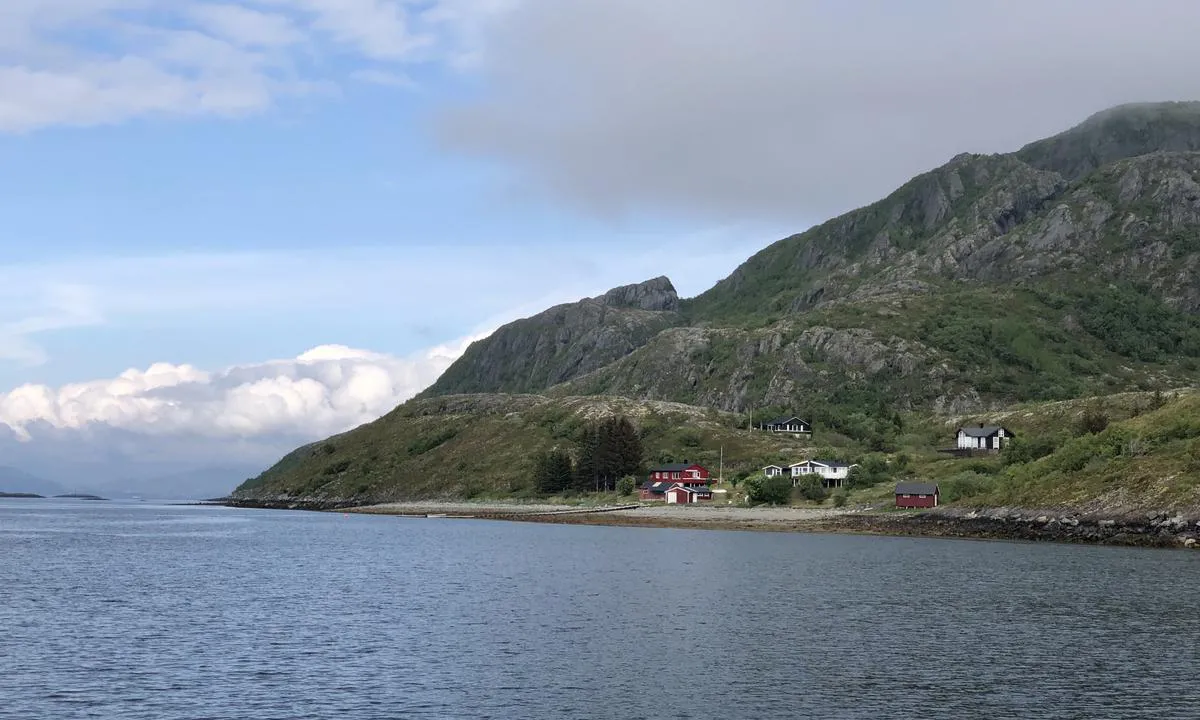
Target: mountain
column 1067, row 269
column 13, row 480
column 563, row 342
column 187, row 484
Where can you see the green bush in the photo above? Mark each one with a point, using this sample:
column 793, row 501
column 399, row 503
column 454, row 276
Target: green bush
column 1019, row 451
column 626, row 485
column 769, row 490
column 1093, row 421
column 810, row 488
column 839, row 499
column 963, row 486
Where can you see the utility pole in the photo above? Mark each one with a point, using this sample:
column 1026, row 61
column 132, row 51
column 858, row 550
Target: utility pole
column 721, row 470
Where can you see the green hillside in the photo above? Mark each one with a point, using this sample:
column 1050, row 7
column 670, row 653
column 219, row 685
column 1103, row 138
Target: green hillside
column 486, row 445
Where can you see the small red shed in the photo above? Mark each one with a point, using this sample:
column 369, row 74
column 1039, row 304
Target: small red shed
column 679, row 494
column 916, row 495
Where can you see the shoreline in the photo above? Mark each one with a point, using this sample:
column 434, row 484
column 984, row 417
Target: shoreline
column 1146, row 529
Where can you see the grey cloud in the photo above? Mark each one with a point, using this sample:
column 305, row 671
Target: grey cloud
column 798, row 110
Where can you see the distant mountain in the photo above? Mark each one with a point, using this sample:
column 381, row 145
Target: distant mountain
column 193, row 484
column 13, row 480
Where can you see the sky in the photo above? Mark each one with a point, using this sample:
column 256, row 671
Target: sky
column 233, row 226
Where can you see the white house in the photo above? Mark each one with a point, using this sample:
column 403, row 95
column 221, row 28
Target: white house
column 833, row 474
column 791, row 425
column 983, row 437
column 774, row 470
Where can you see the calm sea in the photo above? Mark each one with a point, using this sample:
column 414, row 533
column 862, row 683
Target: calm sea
column 163, row 613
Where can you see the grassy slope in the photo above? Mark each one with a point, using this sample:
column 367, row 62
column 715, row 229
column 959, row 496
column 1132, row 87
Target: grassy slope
column 481, row 446
column 484, row 445
column 1147, row 457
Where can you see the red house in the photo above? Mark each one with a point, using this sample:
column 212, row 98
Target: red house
column 916, row 495
column 684, row 475
column 689, row 474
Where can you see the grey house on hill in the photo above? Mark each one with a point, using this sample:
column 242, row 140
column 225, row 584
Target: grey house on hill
column 983, row 437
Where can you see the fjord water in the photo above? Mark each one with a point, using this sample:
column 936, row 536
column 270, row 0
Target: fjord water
column 140, row 611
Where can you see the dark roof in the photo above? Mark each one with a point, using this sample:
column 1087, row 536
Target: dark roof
column 916, row 488
column 657, row 486
column 982, row 430
column 703, row 490
column 673, row 467
column 785, row 420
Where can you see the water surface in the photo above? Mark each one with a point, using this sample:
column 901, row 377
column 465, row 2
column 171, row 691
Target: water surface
column 130, row 611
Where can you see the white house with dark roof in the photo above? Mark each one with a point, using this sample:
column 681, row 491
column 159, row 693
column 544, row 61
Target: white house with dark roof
column 775, row 470
column 833, row 474
column 788, row 425
column 983, row 437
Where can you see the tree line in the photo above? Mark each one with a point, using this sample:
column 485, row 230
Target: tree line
column 605, row 451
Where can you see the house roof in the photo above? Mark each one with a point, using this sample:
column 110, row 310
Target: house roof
column 785, row 421
column 826, row 463
column 982, row 430
column 777, row 467
column 916, row 488
column 673, row 467
column 693, row 490
column 657, row 485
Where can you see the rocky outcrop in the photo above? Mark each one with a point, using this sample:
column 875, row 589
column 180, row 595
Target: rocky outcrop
column 1115, row 134
column 657, row 295
column 563, row 342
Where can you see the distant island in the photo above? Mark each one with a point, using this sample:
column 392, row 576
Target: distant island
column 79, row 496
column 21, row 495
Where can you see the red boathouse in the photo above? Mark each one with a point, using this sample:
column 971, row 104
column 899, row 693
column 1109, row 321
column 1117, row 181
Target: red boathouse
column 916, row 495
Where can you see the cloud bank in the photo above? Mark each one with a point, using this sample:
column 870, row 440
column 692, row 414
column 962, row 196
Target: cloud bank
column 90, row 62
column 798, row 108
column 324, row 391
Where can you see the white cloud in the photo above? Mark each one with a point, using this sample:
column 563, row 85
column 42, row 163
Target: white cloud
column 90, row 62
column 323, row 391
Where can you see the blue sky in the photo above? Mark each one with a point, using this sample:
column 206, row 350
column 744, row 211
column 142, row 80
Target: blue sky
column 404, row 243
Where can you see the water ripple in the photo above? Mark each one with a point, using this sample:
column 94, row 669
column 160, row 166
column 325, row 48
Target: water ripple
column 141, row 612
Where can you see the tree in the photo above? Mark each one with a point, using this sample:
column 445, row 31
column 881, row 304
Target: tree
column 811, row 488
column 775, row 490
column 608, row 450
column 626, row 485
column 872, row 470
column 552, row 472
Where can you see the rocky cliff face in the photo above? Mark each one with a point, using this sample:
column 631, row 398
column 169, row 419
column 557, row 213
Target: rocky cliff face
column 1040, row 274
column 563, row 342
column 657, row 295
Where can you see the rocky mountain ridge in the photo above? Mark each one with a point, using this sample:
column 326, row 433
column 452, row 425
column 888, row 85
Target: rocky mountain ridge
column 992, row 279
column 563, row 342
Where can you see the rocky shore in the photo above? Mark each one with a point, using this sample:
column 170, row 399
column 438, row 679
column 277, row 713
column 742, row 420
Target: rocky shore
column 1150, row 529
column 1146, row 529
